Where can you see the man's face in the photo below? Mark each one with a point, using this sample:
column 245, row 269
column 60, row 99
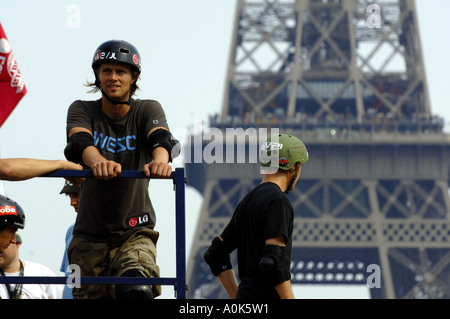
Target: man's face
column 75, row 200
column 7, row 236
column 8, row 255
column 116, row 80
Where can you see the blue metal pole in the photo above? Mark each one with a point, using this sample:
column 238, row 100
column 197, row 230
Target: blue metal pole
column 88, row 173
column 60, row 280
column 180, row 230
column 180, row 223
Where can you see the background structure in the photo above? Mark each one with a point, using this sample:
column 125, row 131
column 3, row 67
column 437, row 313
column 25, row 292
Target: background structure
column 348, row 78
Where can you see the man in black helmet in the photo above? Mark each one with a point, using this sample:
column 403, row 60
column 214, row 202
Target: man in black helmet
column 12, row 217
column 114, row 232
column 11, row 265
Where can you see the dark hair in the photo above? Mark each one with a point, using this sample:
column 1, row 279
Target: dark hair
column 95, row 86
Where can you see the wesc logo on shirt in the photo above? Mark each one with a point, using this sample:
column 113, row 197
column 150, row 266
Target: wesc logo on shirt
column 8, row 210
column 115, row 145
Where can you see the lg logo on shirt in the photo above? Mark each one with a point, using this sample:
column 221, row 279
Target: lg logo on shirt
column 139, row 220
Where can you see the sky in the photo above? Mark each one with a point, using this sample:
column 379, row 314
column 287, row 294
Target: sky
column 184, row 46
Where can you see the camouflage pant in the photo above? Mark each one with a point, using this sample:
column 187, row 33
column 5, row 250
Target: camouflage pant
column 105, row 260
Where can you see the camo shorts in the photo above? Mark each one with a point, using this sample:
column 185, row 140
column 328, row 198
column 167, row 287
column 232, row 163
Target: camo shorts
column 105, row 260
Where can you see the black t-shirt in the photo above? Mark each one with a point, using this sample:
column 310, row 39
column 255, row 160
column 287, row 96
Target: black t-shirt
column 264, row 213
column 113, row 209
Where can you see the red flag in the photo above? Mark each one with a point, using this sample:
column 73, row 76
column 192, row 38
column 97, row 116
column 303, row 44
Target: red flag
column 12, row 87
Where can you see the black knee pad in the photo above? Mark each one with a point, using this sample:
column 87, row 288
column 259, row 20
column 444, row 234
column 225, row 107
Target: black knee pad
column 133, row 291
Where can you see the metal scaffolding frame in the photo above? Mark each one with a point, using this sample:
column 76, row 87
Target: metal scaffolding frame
column 179, row 282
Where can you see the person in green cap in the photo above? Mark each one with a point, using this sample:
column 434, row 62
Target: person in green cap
column 261, row 228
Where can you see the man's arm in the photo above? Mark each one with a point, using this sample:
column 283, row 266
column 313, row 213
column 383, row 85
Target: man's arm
column 284, row 289
column 91, row 157
column 229, row 282
column 101, row 167
column 19, row 169
column 159, row 167
column 217, row 256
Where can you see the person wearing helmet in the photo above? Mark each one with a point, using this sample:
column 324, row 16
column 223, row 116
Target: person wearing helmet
column 11, row 265
column 114, row 231
column 261, row 228
column 12, row 218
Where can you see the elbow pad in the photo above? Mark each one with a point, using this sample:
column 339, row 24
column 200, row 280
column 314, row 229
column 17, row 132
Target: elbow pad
column 165, row 139
column 218, row 257
column 273, row 264
column 77, row 143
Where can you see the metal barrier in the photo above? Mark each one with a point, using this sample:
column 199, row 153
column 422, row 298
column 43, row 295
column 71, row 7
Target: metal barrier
column 179, row 282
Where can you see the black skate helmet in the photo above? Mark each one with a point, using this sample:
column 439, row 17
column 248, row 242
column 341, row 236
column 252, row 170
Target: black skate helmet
column 11, row 213
column 117, row 51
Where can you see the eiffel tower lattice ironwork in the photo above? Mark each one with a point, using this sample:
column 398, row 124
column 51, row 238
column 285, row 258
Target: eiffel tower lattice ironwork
column 348, row 78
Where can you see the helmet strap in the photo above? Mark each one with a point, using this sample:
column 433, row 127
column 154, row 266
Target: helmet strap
column 294, row 173
column 115, row 102
column 291, row 181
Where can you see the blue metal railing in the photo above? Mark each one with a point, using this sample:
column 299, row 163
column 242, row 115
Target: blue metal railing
column 179, row 282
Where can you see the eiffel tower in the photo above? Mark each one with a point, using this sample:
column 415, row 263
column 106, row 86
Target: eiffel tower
column 347, row 77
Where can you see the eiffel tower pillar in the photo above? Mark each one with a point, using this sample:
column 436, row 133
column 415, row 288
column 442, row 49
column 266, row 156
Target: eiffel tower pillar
column 347, row 77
